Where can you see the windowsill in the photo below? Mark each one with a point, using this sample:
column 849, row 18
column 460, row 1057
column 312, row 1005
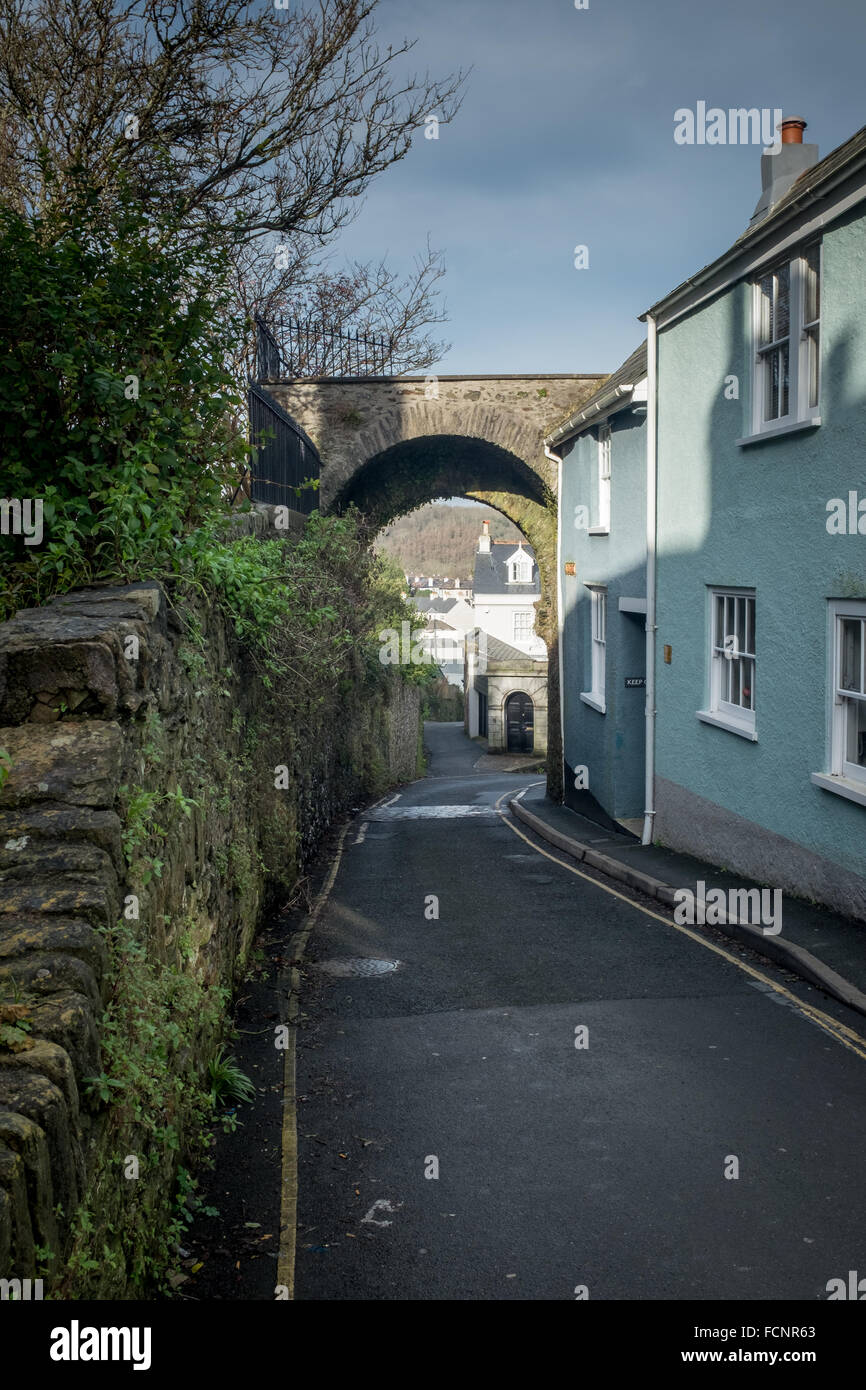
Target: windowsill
column 598, row 530
column 733, row 727
column 776, row 431
column 842, row 786
column 593, row 702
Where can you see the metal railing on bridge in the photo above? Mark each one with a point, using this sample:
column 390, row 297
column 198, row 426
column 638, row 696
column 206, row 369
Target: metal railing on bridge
column 287, row 461
column 287, row 347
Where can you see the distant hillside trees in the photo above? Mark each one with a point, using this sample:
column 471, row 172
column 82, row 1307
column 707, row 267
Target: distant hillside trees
column 442, row 540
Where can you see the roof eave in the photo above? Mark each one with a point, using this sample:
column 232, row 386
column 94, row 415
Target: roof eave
column 576, row 422
column 768, row 230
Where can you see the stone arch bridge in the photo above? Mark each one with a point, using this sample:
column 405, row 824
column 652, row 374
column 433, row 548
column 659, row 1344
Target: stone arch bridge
column 389, row 444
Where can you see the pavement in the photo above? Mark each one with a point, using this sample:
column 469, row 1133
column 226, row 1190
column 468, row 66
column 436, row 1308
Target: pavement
column 821, row 946
column 517, row 1078
column 451, row 752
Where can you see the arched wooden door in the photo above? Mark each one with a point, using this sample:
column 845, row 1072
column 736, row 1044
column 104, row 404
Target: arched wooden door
column 519, row 723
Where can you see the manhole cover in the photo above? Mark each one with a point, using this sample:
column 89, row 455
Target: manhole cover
column 359, row 965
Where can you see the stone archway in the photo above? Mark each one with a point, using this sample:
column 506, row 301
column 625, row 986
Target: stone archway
column 390, row 444
column 415, row 471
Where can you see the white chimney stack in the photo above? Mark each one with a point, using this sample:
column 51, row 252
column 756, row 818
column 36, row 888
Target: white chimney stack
column 484, row 539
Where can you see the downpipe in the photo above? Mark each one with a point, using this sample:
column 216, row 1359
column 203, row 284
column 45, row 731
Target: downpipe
column 560, row 616
column 651, row 561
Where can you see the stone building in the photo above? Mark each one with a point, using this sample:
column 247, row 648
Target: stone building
column 506, row 695
column 505, row 675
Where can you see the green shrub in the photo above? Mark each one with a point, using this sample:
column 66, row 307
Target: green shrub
column 309, row 611
column 228, row 1082
column 117, row 410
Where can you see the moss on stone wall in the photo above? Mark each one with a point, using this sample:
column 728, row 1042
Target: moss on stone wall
column 156, row 805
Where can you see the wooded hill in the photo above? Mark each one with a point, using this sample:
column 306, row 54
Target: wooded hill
column 441, row 540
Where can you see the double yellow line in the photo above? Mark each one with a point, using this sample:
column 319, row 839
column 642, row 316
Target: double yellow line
column 840, row 1031
column 289, row 1139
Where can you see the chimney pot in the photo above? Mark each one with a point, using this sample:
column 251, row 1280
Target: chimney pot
column 792, row 129
column 783, row 165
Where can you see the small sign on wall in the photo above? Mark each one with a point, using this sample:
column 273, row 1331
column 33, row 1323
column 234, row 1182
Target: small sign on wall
column 634, row 682
column 570, row 567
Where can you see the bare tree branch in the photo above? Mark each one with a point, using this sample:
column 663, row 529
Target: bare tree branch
column 231, row 122
column 363, row 297
column 250, row 120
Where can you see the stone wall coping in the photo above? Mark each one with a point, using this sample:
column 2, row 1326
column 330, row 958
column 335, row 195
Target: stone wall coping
column 440, row 376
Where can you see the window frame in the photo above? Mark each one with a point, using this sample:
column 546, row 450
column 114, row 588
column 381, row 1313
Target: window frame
column 721, row 711
column 855, row 610
column 520, row 569
column 596, row 696
column 522, row 613
column 602, row 480
column 803, row 340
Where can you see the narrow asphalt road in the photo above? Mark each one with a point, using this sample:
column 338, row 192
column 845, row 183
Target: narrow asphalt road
column 515, row 1083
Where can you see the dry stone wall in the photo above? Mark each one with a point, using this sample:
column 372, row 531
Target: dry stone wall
column 140, row 759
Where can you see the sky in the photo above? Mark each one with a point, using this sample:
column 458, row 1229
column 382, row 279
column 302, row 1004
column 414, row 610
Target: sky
column 566, row 138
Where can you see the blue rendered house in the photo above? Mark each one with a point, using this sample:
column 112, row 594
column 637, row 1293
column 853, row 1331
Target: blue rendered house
column 757, row 389
column 601, row 563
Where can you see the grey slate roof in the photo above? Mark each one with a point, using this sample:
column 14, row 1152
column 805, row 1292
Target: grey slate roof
column 491, row 575
column 810, row 180
column 502, row 654
column 435, row 605
column 633, row 370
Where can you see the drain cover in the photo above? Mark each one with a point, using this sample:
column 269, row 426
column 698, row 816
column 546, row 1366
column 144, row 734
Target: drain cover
column 359, row 965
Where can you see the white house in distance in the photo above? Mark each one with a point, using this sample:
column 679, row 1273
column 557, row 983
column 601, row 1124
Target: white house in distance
column 506, row 661
column 437, row 586
column 505, row 589
column 445, row 624
column 458, row 612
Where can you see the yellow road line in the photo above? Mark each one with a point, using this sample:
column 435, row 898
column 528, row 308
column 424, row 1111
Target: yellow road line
column 289, row 1137
column 840, row 1031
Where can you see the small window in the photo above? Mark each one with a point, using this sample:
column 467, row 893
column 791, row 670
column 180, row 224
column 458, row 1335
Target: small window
column 787, row 342
column 733, row 658
column 774, row 343
column 520, row 569
column 598, row 647
column 603, row 522
column 849, row 713
column 522, row 626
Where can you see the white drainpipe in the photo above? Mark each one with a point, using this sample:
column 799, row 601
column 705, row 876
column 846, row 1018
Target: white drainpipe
column 560, row 616
column 651, row 526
